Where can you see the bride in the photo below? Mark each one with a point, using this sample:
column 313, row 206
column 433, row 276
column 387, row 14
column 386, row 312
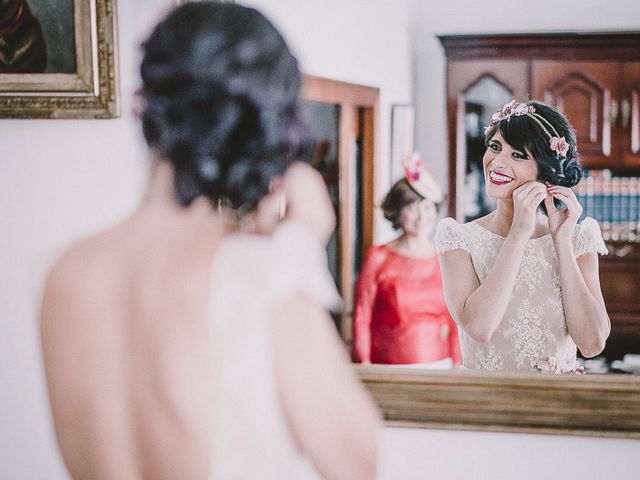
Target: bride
column 191, row 342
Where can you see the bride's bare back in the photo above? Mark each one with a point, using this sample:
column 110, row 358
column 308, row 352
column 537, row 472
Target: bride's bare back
column 125, row 334
column 127, row 348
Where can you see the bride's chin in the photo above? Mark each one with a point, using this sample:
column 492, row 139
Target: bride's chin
column 498, row 196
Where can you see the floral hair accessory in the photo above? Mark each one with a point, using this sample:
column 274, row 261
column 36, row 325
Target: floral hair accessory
column 509, row 109
column 421, row 179
column 557, row 143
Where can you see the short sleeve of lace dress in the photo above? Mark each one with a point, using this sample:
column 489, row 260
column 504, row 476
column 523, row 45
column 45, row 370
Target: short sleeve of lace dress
column 587, row 238
column 450, row 236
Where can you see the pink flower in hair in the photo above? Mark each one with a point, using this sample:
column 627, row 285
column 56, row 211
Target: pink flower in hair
column 523, row 109
column 559, row 145
column 508, row 110
column 508, row 107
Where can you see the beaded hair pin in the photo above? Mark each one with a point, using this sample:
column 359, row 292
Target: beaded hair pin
column 557, row 143
column 421, row 179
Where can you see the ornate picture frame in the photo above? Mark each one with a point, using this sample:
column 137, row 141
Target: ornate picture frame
column 88, row 86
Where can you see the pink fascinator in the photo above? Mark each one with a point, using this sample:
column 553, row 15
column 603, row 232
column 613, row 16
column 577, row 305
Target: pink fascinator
column 420, row 178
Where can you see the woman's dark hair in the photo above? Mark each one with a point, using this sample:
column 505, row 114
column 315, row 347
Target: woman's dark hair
column 399, row 196
column 526, row 134
column 220, row 91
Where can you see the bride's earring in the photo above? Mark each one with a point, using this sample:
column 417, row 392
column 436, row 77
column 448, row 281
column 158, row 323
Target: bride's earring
column 282, row 206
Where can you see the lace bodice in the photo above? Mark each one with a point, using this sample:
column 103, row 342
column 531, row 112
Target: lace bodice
column 251, row 438
column 533, row 328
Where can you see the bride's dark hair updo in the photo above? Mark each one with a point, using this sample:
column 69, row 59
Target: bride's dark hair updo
column 220, row 91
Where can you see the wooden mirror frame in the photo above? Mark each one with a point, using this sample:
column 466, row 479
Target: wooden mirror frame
column 468, row 400
column 503, row 402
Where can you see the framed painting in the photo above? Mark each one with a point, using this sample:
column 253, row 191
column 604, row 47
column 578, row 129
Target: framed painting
column 58, row 59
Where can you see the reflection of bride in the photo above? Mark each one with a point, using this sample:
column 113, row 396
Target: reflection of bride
column 522, row 281
column 400, row 316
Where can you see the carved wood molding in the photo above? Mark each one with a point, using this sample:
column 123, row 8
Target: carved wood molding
column 534, row 403
column 573, row 45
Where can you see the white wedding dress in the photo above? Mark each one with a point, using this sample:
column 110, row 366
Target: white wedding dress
column 251, row 438
column 533, row 329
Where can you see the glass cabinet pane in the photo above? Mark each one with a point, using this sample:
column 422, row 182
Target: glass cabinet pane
column 480, row 102
column 323, row 120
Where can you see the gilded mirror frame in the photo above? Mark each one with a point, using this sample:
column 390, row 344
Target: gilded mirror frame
column 92, row 91
column 607, row 406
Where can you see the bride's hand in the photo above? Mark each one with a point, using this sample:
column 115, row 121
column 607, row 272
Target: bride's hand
column 308, row 200
column 562, row 222
column 526, row 199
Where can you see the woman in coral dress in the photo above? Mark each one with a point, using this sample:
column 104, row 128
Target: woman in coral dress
column 400, row 315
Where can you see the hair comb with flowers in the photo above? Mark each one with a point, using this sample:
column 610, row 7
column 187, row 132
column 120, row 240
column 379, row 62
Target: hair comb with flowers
column 557, row 143
column 420, row 178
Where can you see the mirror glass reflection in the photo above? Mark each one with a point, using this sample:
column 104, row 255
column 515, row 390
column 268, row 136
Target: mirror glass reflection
column 347, row 249
column 480, row 102
column 323, row 119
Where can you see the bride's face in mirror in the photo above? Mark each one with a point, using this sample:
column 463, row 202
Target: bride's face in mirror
column 506, row 168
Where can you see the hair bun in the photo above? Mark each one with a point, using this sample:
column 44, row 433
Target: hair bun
column 221, row 102
column 572, row 172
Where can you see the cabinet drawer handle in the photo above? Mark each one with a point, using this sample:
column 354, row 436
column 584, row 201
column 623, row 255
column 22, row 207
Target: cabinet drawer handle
column 626, row 112
column 613, row 111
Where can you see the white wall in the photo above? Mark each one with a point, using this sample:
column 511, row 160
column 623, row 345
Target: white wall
column 59, row 180
column 413, row 454
column 63, row 179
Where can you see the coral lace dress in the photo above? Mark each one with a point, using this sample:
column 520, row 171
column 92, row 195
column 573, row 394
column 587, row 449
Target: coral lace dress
column 400, row 315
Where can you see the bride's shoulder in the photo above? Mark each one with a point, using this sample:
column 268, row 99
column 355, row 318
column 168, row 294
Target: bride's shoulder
column 450, row 235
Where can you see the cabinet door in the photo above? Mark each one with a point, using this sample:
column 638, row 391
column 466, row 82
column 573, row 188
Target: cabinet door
column 342, row 117
column 475, row 90
column 630, row 115
column 585, row 92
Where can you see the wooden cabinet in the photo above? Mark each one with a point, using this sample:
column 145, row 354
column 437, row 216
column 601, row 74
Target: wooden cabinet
column 630, row 115
column 620, row 280
column 342, row 117
column 601, row 100
column 595, row 80
column 586, row 92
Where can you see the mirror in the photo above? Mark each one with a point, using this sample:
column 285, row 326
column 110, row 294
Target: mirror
column 591, row 404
